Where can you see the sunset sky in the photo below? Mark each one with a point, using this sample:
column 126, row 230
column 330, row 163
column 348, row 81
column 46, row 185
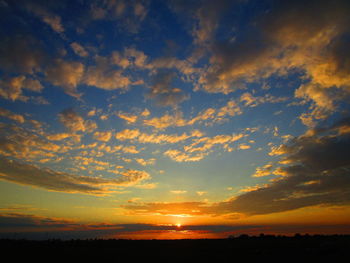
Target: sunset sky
column 174, row 119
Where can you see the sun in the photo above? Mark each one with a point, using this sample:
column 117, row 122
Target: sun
column 178, row 225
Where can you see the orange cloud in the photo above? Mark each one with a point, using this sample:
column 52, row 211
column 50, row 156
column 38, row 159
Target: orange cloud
column 79, row 49
column 128, row 117
column 103, row 136
column 27, row 174
column 12, row 88
column 66, row 74
column 74, row 122
column 12, row 116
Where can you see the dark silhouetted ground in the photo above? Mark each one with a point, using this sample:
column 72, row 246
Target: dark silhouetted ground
column 244, row 247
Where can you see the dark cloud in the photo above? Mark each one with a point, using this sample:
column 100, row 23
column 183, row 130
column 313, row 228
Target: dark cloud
column 17, row 220
column 163, row 90
column 318, row 174
column 21, row 54
column 299, row 21
column 45, row 178
column 206, row 13
column 74, row 122
column 17, row 225
column 340, row 53
column 129, row 14
column 12, row 88
column 38, row 227
column 290, row 35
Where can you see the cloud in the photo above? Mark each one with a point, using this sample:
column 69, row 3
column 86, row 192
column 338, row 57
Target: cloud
column 12, row 88
column 120, row 60
column 21, row 54
column 54, row 21
column 316, row 174
column 178, row 192
column 129, row 14
column 91, row 161
column 137, row 58
column 162, row 89
column 243, row 146
column 278, row 150
column 130, row 149
column 208, row 16
column 323, row 102
column 264, row 170
column 179, row 156
column 204, row 144
column 23, row 144
column 66, row 74
column 144, row 162
column 157, row 138
column 166, row 121
column 31, row 227
column 63, row 136
column 39, row 100
column 130, row 57
column 12, row 116
column 74, row 122
column 79, row 49
column 185, row 67
column 231, row 65
column 145, row 113
column 231, row 109
column 45, row 178
column 19, row 220
column 128, row 117
column 181, row 208
column 103, row 76
column 321, row 96
column 207, row 116
column 127, row 134
column 310, row 38
column 103, row 136
column 92, row 112
column 163, row 138
column 140, row 10
column 211, row 115
column 249, row 100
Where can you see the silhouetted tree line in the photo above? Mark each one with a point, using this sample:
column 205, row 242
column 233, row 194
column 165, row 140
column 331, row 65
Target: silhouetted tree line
column 299, row 246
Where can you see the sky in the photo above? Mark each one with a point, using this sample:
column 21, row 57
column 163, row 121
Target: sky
column 174, row 119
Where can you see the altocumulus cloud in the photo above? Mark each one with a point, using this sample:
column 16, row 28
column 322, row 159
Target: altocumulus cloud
column 317, row 174
column 27, row 174
column 310, row 37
